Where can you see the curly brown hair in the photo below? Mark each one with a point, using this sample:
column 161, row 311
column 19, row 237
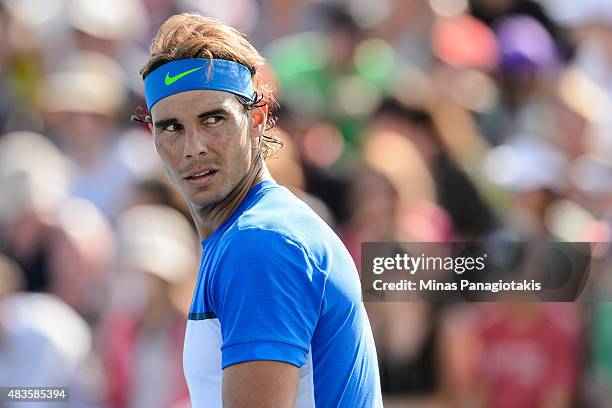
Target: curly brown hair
column 190, row 35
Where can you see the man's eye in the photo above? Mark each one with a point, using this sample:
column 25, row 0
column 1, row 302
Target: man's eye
column 212, row 120
column 173, row 127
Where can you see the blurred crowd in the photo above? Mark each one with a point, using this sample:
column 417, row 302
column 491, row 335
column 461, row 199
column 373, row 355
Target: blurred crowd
column 402, row 120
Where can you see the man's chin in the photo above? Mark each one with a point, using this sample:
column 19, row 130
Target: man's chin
column 204, row 199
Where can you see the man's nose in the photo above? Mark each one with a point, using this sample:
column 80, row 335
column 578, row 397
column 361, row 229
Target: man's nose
column 195, row 143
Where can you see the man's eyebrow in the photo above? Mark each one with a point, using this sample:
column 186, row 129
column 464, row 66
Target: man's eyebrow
column 165, row 122
column 213, row 112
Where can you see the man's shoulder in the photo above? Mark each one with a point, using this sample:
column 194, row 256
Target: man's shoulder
column 277, row 211
column 257, row 235
column 272, row 202
column 277, row 220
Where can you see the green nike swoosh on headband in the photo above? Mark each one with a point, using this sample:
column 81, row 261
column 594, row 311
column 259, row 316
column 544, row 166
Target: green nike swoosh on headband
column 170, row 80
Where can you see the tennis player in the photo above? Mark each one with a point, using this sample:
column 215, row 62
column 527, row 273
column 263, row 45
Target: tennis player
column 276, row 318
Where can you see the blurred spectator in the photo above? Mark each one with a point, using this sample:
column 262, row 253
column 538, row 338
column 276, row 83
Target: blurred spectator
column 64, row 246
column 534, row 171
column 115, row 28
column 34, row 181
column 143, row 333
column 406, row 335
column 454, row 191
column 81, row 255
column 83, row 123
column 156, row 191
column 502, row 357
column 491, row 11
column 404, row 332
column 36, row 352
column 332, row 75
column 97, row 31
column 286, row 169
column 377, row 199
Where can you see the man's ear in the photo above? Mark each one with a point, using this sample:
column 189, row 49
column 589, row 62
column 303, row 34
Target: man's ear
column 259, row 116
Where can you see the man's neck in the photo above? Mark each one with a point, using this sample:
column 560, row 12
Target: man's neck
column 208, row 219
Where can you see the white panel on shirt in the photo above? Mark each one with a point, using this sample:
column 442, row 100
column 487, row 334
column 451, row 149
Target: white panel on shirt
column 202, row 367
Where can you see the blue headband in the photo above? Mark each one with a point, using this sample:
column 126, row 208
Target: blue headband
column 193, row 74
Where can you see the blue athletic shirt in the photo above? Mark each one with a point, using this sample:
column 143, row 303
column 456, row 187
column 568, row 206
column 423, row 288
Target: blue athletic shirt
column 276, row 283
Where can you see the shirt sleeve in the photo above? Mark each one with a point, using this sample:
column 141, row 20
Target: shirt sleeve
column 268, row 294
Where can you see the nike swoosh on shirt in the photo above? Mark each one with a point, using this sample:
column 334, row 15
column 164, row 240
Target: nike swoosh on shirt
column 170, row 80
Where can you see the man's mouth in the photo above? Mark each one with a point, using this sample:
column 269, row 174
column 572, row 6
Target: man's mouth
column 201, row 177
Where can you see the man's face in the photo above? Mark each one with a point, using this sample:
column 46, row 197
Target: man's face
column 205, row 140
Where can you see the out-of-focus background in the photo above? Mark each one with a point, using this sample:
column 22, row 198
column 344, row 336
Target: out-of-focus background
column 402, row 120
